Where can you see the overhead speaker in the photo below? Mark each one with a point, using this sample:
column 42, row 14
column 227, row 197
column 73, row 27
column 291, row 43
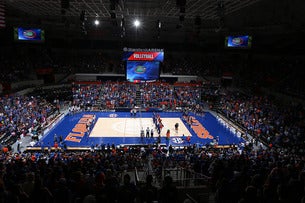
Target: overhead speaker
column 65, row 4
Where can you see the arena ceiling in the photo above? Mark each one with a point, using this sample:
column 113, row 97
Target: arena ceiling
column 207, row 9
column 179, row 18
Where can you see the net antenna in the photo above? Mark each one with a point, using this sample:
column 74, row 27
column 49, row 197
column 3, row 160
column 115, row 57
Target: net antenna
column 139, row 102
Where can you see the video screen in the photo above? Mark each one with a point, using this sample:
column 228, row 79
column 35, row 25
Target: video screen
column 238, row 41
column 142, row 70
column 29, row 34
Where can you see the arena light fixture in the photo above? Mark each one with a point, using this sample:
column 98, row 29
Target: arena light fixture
column 96, row 22
column 136, row 23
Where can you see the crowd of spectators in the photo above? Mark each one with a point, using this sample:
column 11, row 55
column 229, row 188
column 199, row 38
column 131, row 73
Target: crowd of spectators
column 106, row 95
column 272, row 174
column 278, row 124
column 292, row 82
column 111, row 95
column 19, row 63
column 88, row 61
column 279, row 73
column 261, row 175
column 84, row 62
column 55, row 95
column 180, row 64
column 15, row 65
column 21, row 116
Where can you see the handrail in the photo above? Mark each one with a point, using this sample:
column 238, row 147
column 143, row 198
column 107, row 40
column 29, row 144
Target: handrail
column 241, row 128
column 136, row 176
column 199, row 174
column 236, row 124
column 191, row 198
column 186, row 177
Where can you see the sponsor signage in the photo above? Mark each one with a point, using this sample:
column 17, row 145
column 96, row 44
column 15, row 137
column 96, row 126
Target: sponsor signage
column 143, row 56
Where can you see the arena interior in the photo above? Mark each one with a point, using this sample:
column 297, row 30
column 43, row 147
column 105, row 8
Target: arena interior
column 152, row 101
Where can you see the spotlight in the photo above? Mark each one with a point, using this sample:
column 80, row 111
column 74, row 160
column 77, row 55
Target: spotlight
column 136, row 23
column 159, row 24
column 96, row 22
column 122, row 22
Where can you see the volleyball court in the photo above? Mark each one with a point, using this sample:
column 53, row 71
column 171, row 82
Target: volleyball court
column 131, row 127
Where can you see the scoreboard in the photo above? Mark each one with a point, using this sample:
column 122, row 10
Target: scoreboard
column 142, row 65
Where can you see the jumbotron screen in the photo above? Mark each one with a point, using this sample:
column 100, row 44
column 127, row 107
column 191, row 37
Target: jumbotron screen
column 29, row 34
column 142, row 71
column 244, row 41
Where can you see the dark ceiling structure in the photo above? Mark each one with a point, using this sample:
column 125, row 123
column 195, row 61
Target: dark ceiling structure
column 164, row 20
column 206, row 9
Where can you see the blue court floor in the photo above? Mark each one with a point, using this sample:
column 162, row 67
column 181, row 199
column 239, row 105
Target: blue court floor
column 69, row 123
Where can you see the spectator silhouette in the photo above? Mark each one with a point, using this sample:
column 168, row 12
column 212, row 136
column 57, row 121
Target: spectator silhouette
column 127, row 192
column 168, row 193
column 148, row 191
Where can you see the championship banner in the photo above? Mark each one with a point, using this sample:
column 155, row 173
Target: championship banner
column 143, row 56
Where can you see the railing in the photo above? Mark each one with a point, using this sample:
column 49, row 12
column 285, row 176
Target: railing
column 186, row 177
column 191, row 198
column 136, row 176
column 240, row 128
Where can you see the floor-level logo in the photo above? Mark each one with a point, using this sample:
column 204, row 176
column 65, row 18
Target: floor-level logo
column 177, row 140
column 113, row 115
column 79, row 129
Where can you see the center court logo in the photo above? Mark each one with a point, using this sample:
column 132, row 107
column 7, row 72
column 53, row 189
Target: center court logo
column 113, row 115
column 131, row 127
